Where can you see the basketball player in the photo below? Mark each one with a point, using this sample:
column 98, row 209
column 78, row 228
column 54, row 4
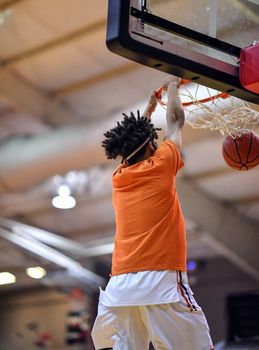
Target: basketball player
column 148, row 298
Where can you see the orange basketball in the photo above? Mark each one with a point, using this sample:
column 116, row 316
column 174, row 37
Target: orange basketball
column 242, row 152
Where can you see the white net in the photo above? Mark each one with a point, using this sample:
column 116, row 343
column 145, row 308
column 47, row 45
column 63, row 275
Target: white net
column 228, row 115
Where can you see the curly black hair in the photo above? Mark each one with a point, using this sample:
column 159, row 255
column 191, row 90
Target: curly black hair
column 128, row 135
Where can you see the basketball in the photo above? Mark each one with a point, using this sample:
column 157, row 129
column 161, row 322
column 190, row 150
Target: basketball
column 241, row 153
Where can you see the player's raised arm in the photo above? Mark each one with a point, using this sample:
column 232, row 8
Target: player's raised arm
column 151, row 106
column 175, row 114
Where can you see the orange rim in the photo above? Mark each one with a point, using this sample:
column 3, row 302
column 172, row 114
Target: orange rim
column 159, row 92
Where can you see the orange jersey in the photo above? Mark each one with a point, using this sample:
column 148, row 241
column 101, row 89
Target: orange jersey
column 150, row 230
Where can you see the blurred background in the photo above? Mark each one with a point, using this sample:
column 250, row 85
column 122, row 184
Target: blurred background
column 60, row 89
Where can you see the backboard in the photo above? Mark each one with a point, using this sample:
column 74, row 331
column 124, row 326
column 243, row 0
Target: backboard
column 199, row 40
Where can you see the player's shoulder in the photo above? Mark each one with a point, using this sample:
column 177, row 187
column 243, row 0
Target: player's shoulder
column 167, row 146
column 170, row 154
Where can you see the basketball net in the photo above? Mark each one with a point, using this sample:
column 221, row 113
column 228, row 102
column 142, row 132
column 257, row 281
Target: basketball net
column 209, row 109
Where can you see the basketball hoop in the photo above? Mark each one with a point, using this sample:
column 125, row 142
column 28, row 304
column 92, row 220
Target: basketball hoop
column 209, row 109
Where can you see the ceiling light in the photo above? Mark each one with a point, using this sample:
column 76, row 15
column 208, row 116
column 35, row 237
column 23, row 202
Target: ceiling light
column 64, row 200
column 36, row 272
column 64, row 190
column 7, row 278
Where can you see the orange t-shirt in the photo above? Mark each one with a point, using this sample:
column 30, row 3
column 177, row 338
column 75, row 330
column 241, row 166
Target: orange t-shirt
column 150, row 230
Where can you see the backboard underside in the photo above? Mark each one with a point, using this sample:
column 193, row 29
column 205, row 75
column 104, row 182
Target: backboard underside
column 136, row 32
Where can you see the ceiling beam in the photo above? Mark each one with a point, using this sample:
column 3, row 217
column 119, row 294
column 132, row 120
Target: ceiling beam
column 224, row 224
column 98, row 230
column 245, row 200
column 29, row 100
column 53, row 44
column 6, row 4
column 42, row 206
column 42, row 250
column 209, row 174
column 221, row 172
column 254, row 2
column 59, row 242
column 246, row 10
column 95, row 79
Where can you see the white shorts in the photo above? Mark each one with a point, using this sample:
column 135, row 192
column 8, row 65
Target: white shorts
column 168, row 326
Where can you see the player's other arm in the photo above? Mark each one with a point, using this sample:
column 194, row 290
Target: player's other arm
column 175, row 114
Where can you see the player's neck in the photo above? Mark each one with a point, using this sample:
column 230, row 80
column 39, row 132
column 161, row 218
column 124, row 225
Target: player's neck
column 148, row 153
